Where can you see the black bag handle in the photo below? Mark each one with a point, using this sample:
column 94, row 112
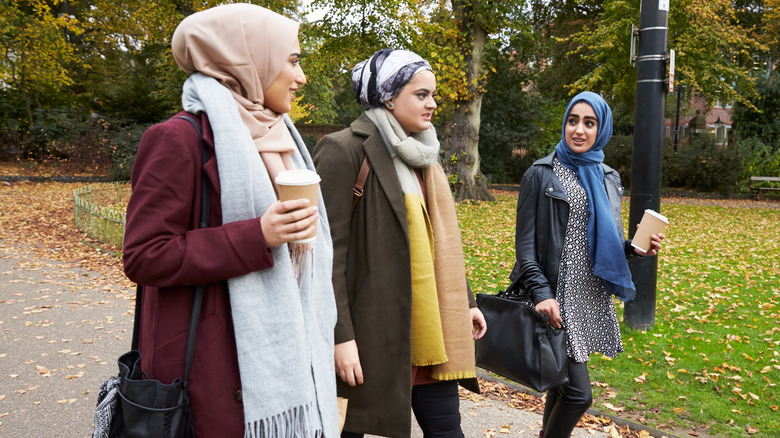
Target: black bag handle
column 199, row 290
column 514, row 290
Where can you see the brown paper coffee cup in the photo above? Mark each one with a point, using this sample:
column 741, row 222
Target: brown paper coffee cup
column 651, row 223
column 299, row 184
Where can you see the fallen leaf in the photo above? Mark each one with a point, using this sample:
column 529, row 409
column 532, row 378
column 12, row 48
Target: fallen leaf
column 614, row 408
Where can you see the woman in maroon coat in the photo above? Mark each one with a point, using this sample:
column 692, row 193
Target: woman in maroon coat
column 264, row 351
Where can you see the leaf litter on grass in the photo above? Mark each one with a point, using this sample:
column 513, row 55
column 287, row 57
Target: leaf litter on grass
column 712, row 360
column 716, row 314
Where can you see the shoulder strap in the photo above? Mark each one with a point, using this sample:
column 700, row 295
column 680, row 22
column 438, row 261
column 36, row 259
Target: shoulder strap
column 357, row 191
column 199, row 290
column 204, row 223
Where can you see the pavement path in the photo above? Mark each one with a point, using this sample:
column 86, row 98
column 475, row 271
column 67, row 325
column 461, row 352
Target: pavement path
column 63, row 328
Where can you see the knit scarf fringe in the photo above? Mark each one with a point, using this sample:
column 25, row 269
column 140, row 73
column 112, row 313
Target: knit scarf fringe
column 302, row 257
column 454, row 375
column 291, row 424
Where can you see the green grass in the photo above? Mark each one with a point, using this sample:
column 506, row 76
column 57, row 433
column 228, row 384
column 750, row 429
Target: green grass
column 713, row 356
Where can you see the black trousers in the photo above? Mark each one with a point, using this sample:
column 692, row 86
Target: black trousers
column 566, row 403
column 436, row 407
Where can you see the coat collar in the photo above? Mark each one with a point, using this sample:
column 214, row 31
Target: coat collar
column 363, row 126
column 382, row 165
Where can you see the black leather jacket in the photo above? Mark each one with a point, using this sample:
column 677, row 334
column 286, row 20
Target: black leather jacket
column 542, row 216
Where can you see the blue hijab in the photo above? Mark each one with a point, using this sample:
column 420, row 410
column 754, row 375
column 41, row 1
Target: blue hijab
column 605, row 243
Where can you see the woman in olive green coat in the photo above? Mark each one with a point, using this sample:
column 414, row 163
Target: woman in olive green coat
column 405, row 311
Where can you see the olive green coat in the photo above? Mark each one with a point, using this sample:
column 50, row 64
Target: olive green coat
column 371, row 276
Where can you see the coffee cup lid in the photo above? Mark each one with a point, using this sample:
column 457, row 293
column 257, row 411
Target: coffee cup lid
column 297, row 177
column 658, row 216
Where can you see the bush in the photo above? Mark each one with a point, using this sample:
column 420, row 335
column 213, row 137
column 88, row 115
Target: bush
column 12, row 141
column 125, row 146
column 76, row 141
column 703, row 166
column 310, row 140
column 618, row 154
column 760, row 122
column 758, row 159
column 87, row 148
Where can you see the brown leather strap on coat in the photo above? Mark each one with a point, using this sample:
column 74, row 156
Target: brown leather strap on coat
column 357, row 191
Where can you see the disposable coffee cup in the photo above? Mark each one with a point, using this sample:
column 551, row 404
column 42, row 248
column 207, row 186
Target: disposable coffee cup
column 299, row 184
column 651, row 223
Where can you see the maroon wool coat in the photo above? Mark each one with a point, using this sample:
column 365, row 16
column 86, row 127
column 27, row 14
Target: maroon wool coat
column 165, row 252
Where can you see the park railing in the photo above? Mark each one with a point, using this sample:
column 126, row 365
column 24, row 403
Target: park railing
column 99, row 211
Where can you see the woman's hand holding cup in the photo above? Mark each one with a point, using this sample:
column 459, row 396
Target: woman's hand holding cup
column 285, row 221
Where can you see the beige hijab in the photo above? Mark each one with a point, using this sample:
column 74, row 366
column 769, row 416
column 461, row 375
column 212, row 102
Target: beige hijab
column 245, row 48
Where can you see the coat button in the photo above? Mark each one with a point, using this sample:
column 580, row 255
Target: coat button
column 549, row 189
column 238, row 396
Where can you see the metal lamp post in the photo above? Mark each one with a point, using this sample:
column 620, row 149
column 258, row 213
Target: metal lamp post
column 639, row 313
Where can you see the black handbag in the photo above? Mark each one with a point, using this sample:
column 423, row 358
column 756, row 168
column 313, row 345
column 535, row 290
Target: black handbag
column 519, row 343
column 131, row 405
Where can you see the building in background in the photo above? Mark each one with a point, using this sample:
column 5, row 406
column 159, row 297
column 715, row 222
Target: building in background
column 714, row 121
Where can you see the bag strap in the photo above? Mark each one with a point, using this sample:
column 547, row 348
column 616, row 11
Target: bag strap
column 357, row 191
column 197, row 302
column 137, row 317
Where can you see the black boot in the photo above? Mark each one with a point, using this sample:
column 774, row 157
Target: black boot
column 562, row 419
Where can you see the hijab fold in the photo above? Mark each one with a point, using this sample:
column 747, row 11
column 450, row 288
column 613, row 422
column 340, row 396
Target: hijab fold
column 233, row 45
column 605, row 244
column 382, row 76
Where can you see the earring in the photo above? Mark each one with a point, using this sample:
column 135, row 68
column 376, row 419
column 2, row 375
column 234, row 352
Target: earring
column 389, row 105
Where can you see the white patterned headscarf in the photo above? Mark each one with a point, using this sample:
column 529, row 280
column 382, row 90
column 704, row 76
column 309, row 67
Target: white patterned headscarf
column 382, row 76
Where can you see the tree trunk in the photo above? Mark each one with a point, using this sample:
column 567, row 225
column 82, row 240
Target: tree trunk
column 461, row 132
column 461, row 137
column 22, row 86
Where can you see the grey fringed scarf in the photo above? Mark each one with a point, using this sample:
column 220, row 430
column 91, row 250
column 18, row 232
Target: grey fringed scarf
column 284, row 335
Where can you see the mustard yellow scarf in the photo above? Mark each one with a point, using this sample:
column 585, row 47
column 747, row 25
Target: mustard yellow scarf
column 441, row 325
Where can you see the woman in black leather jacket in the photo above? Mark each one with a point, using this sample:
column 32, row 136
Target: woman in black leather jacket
column 571, row 251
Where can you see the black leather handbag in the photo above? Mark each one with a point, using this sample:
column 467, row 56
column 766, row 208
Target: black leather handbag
column 131, row 405
column 519, row 343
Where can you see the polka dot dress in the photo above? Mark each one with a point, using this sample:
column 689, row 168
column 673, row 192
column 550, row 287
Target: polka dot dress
column 588, row 311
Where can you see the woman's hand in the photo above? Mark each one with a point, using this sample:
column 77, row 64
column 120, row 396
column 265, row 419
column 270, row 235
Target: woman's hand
column 478, row 324
column 348, row 363
column 553, row 311
column 287, row 221
column 655, row 243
